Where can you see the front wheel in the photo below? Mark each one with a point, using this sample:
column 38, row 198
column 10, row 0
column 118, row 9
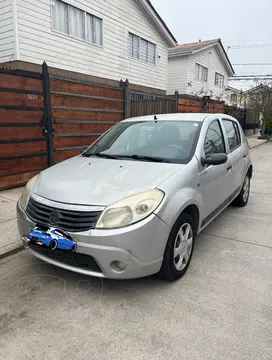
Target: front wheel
column 242, row 198
column 179, row 249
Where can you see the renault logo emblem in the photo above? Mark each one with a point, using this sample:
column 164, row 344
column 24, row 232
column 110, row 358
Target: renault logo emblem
column 54, row 217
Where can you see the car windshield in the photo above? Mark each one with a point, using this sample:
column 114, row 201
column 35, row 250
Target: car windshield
column 157, row 141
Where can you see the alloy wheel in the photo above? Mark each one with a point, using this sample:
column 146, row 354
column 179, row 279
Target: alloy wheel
column 183, row 246
column 246, row 189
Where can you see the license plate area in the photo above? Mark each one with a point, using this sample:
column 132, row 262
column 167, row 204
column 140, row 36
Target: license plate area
column 51, row 238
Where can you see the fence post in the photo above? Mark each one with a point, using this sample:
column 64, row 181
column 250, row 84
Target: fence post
column 125, row 86
column 48, row 131
column 205, row 103
column 176, row 101
column 245, row 115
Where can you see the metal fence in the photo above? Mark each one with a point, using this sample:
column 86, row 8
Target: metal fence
column 238, row 113
column 248, row 118
column 141, row 104
column 252, row 119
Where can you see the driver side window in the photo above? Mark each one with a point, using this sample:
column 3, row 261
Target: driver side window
column 214, row 140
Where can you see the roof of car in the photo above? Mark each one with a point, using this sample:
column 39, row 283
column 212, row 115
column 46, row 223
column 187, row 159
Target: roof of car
column 176, row 117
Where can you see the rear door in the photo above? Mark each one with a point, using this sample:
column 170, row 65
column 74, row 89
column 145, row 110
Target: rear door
column 216, row 181
column 237, row 153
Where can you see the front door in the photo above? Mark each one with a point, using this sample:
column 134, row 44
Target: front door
column 216, row 181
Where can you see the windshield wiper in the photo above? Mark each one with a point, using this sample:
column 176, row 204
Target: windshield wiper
column 134, row 157
column 146, row 158
column 102, row 155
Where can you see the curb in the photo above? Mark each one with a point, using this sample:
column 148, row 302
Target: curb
column 264, row 142
column 11, row 249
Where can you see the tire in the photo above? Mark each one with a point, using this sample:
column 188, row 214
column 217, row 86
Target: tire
column 242, row 198
column 53, row 245
column 173, row 268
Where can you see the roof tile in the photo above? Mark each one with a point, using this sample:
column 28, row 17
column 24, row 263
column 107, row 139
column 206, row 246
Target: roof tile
column 184, row 48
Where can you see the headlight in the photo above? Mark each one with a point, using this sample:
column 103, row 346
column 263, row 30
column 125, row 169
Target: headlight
column 26, row 192
column 130, row 210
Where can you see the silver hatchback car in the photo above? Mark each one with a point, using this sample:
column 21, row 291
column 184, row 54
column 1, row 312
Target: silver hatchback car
column 132, row 203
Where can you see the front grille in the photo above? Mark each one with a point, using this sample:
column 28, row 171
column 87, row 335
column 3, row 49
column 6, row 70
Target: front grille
column 77, row 260
column 67, row 220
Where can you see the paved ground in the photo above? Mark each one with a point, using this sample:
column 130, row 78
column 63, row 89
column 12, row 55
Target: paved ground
column 9, row 236
column 221, row 309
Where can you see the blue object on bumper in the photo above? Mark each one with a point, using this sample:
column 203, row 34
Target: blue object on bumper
column 52, row 238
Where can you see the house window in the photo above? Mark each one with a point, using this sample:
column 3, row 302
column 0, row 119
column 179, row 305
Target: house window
column 94, row 29
column 77, row 23
column 234, row 98
column 219, row 80
column 201, row 73
column 141, row 49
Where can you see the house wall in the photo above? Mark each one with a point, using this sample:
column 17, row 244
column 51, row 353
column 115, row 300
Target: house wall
column 177, row 75
column 38, row 42
column 7, row 48
column 211, row 60
column 228, row 97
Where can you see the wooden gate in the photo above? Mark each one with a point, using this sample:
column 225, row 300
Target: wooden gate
column 45, row 119
column 142, row 104
column 82, row 111
column 22, row 127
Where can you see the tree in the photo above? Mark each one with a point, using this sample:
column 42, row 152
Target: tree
column 259, row 97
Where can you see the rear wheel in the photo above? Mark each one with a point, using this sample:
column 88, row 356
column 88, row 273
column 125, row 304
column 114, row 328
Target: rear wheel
column 242, row 198
column 53, row 245
column 179, row 249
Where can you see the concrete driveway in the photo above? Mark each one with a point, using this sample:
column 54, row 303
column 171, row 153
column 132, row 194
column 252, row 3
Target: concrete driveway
column 222, row 308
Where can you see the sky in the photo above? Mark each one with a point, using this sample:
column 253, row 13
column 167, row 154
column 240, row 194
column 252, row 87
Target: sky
column 246, row 24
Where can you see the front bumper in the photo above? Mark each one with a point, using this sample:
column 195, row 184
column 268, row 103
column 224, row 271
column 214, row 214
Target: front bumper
column 139, row 248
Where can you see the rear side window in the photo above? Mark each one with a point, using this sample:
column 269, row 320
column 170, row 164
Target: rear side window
column 238, row 132
column 233, row 134
column 214, row 141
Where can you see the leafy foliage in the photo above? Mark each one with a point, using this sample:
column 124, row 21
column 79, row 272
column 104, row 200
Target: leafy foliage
column 260, row 98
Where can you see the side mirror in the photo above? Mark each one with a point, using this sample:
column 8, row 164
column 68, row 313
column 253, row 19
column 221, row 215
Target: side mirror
column 215, row 159
column 84, row 148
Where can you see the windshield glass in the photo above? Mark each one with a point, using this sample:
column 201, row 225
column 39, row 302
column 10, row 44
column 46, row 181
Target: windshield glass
column 163, row 141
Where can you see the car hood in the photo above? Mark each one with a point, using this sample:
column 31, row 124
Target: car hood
column 96, row 181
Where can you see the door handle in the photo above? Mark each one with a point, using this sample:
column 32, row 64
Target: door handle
column 244, row 156
column 229, row 168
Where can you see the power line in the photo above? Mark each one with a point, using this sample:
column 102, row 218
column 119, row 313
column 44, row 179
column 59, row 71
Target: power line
column 245, row 76
column 247, row 64
column 246, row 40
column 249, row 46
column 250, row 78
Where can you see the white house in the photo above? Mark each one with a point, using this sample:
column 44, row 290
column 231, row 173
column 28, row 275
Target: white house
column 200, row 69
column 112, row 39
column 234, row 96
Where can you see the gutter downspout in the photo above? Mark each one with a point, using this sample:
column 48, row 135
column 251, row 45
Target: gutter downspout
column 16, row 32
